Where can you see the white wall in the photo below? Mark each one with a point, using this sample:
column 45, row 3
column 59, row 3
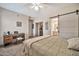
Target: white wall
column 1, row 41
column 30, row 28
column 9, row 19
column 67, row 9
column 0, row 22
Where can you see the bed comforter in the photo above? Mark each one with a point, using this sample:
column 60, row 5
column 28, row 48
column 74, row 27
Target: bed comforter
column 49, row 46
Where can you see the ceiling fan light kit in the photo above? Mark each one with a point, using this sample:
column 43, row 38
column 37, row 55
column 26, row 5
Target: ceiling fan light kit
column 36, row 6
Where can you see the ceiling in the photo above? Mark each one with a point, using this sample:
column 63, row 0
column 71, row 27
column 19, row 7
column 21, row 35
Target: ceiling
column 24, row 8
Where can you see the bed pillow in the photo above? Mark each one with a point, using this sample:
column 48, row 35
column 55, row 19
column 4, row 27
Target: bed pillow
column 73, row 43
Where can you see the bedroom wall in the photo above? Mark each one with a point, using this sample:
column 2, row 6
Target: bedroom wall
column 0, row 22
column 67, row 9
column 0, row 29
column 9, row 19
column 30, row 28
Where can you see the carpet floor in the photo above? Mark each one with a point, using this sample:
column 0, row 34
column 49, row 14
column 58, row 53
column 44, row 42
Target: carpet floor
column 12, row 50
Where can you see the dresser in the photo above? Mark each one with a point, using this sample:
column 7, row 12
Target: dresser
column 7, row 39
column 13, row 38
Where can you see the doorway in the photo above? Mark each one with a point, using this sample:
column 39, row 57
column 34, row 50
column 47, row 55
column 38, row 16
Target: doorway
column 39, row 29
column 54, row 26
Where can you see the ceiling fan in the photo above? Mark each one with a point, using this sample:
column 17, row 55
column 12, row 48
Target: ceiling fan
column 36, row 6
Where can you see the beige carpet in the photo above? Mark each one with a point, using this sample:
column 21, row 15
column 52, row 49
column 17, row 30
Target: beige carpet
column 12, row 50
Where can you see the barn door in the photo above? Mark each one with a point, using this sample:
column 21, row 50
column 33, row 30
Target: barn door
column 68, row 25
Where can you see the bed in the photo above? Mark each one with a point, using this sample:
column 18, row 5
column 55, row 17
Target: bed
column 48, row 46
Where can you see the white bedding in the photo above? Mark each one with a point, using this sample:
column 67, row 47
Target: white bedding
column 32, row 40
column 50, row 46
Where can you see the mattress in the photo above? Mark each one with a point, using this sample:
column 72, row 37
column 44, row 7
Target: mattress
column 50, row 46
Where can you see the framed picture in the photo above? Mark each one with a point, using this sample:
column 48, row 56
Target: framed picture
column 19, row 24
